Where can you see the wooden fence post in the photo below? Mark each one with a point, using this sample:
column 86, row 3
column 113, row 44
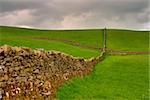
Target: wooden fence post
column 104, row 40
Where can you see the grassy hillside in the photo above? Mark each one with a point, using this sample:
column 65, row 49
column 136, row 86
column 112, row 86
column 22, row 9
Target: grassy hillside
column 25, row 37
column 85, row 37
column 50, row 45
column 116, row 39
column 128, row 40
column 115, row 78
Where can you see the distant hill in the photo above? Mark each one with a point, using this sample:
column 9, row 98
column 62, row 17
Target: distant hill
column 128, row 40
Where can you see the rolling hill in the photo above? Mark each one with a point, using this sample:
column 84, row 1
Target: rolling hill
column 127, row 40
column 116, row 77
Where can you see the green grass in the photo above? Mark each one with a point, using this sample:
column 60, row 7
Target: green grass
column 128, row 40
column 85, row 37
column 50, row 45
column 116, row 39
column 115, row 78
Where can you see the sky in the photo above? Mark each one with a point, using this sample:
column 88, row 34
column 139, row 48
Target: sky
column 70, row 14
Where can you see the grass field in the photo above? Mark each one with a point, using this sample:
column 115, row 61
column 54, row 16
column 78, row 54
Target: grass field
column 116, row 39
column 50, row 45
column 115, row 78
column 81, row 36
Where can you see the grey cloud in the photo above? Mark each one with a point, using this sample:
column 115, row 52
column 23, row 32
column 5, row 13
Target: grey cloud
column 14, row 5
column 79, row 13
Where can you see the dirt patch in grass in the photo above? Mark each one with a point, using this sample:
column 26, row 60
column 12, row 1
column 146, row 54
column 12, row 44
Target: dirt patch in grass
column 67, row 41
column 119, row 52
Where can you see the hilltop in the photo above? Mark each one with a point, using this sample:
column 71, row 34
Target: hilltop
column 123, row 74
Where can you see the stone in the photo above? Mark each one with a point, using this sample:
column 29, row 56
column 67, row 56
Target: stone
column 5, row 78
column 7, row 59
column 1, row 93
column 1, row 56
column 37, row 82
column 2, row 84
column 17, row 68
column 28, row 72
column 1, row 69
column 18, row 57
column 14, row 74
column 5, row 70
column 6, row 48
column 18, row 49
column 47, row 85
column 38, row 76
column 65, row 76
column 36, row 71
column 46, row 93
column 31, row 77
column 7, row 94
column 11, row 70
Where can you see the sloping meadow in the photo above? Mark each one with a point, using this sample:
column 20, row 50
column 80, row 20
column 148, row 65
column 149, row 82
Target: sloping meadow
column 36, row 74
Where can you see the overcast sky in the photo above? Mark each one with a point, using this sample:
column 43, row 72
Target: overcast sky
column 54, row 14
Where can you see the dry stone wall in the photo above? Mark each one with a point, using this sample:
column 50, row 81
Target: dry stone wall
column 27, row 74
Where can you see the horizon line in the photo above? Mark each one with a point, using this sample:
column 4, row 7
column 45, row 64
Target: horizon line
column 36, row 28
